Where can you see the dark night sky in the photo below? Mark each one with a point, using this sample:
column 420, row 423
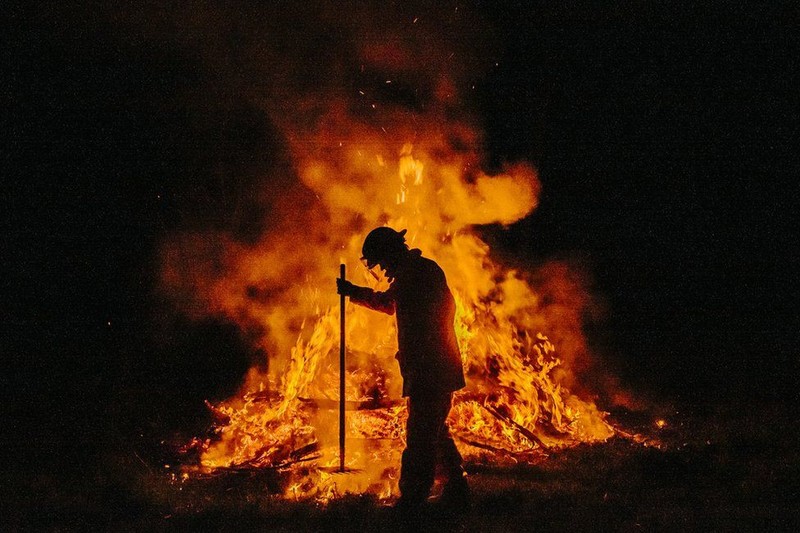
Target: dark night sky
column 662, row 136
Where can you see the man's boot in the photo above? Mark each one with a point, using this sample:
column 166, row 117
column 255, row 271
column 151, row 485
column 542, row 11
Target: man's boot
column 408, row 511
column 455, row 498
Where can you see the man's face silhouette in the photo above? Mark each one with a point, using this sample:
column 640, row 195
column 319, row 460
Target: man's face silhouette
column 389, row 265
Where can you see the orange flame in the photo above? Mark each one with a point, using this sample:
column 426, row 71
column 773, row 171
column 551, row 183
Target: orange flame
column 424, row 177
column 513, row 403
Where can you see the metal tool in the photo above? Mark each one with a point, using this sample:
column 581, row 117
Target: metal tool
column 341, row 371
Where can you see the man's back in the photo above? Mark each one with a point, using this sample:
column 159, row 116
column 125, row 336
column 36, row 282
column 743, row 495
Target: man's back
column 428, row 351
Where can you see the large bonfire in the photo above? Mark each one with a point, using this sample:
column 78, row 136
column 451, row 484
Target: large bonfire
column 364, row 162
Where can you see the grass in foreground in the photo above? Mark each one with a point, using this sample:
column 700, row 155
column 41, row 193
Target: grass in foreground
column 727, row 472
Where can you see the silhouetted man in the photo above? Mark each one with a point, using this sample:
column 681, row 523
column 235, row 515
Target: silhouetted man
column 430, row 363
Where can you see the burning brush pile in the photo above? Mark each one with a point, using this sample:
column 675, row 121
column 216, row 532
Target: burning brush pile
column 516, row 405
column 363, row 160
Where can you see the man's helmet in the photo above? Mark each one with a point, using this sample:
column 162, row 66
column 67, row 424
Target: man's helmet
column 382, row 243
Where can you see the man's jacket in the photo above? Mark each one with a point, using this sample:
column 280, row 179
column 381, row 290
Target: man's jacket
column 430, row 362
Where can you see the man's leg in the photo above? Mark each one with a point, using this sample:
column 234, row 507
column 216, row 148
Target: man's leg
column 450, row 458
column 456, row 490
column 419, row 458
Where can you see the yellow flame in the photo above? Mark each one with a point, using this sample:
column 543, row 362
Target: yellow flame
column 514, row 403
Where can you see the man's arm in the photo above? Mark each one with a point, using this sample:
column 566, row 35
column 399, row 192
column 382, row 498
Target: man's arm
column 378, row 301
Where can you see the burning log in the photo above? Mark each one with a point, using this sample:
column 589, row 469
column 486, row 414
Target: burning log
column 264, row 396
column 528, row 434
column 372, row 404
column 306, row 453
column 220, row 418
column 309, row 452
column 485, row 446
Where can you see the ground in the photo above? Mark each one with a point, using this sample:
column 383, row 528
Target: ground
column 725, row 469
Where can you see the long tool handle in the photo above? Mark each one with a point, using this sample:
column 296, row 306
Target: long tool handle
column 341, row 372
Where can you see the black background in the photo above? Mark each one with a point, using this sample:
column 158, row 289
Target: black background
column 663, row 137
